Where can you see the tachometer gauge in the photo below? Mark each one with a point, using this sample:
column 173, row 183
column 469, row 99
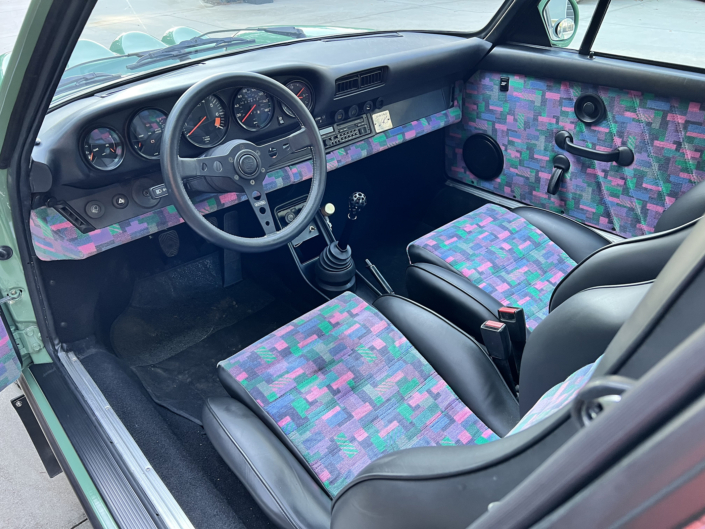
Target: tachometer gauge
column 253, row 108
column 103, row 149
column 146, row 130
column 303, row 92
column 207, row 124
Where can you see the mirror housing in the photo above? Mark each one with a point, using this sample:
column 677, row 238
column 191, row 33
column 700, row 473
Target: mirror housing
column 560, row 18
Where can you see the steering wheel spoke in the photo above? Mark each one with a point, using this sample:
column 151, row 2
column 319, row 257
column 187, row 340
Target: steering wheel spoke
column 213, row 166
column 258, row 200
column 279, row 151
column 246, row 163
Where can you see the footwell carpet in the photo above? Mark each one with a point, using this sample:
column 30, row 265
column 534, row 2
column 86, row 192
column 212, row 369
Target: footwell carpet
column 173, row 337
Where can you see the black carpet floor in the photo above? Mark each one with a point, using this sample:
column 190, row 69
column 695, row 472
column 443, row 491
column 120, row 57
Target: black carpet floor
column 178, row 449
column 173, row 337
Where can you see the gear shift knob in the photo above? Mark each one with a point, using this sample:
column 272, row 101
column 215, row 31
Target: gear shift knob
column 356, row 203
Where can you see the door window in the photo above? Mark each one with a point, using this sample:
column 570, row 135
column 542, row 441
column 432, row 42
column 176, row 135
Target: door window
column 671, row 32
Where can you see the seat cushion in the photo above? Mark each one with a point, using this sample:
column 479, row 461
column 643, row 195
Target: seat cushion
column 501, row 253
column 346, row 387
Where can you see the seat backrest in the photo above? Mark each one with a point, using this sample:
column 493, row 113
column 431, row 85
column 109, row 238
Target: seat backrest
column 452, row 486
column 637, row 259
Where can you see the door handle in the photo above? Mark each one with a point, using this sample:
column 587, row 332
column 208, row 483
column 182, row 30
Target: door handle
column 623, row 156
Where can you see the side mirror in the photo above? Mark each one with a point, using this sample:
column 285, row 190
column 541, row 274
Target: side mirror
column 560, row 17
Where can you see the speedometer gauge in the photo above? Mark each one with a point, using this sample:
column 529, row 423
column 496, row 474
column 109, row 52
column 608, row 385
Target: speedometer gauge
column 303, row 92
column 146, row 130
column 253, row 108
column 103, row 149
column 207, row 124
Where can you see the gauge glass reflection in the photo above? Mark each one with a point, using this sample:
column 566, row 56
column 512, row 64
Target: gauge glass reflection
column 303, row 92
column 146, row 130
column 207, row 124
column 253, row 108
column 103, row 149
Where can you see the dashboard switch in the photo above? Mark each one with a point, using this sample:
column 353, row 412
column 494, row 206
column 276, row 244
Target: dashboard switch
column 120, row 201
column 340, row 115
column 95, row 209
column 158, row 192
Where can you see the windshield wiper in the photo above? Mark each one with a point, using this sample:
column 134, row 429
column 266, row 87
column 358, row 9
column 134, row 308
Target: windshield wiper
column 83, row 80
column 186, row 49
column 284, row 31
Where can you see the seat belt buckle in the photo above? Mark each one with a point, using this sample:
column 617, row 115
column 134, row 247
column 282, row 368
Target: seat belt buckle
column 497, row 340
column 514, row 319
column 499, row 346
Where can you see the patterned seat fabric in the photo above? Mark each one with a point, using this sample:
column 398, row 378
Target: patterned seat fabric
column 504, row 255
column 346, row 387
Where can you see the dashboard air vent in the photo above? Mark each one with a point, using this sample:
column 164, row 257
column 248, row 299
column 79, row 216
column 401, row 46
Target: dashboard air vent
column 358, row 82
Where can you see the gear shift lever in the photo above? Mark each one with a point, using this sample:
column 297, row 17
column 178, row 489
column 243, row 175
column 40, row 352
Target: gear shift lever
column 356, row 203
column 335, row 269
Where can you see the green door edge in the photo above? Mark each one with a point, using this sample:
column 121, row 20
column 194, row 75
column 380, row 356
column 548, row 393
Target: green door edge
column 71, row 457
column 20, row 314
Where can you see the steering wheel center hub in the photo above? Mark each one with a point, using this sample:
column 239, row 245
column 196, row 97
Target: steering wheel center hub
column 247, row 163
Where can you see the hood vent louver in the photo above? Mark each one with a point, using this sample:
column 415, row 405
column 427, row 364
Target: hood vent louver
column 359, row 81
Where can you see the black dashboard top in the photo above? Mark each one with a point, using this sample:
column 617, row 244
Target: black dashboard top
column 410, row 64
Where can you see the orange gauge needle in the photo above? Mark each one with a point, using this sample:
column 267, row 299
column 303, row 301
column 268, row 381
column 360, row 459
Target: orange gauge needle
column 299, row 94
column 248, row 114
column 92, row 156
column 199, row 124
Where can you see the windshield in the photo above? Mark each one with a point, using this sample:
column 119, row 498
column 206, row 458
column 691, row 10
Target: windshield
column 127, row 38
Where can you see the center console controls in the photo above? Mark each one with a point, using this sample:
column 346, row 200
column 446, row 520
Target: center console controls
column 342, row 133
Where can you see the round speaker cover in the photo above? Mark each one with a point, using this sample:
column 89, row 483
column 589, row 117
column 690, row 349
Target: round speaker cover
column 483, row 156
column 590, row 109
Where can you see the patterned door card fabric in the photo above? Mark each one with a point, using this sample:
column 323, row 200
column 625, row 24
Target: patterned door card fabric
column 666, row 134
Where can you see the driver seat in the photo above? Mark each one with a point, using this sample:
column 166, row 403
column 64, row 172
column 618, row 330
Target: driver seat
column 387, row 415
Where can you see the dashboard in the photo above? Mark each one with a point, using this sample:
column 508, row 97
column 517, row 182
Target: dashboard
column 96, row 162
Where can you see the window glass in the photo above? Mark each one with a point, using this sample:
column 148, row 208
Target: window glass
column 669, row 31
column 124, row 37
column 12, row 14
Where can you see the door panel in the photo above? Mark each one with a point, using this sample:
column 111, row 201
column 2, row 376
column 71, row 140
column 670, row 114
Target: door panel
column 667, row 135
column 10, row 367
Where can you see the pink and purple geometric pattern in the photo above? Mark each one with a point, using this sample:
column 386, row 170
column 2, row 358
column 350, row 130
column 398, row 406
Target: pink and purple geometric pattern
column 501, row 253
column 666, row 134
column 556, row 398
column 346, row 387
column 55, row 238
column 10, row 367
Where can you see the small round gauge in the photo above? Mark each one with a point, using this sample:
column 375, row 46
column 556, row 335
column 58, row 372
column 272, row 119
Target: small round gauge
column 303, row 92
column 103, row 149
column 146, row 130
column 207, row 124
column 253, row 108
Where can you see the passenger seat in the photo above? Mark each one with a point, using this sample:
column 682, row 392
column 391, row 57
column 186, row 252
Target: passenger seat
column 535, row 259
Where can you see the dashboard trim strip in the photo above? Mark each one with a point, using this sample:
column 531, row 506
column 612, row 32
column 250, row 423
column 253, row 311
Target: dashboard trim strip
column 54, row 238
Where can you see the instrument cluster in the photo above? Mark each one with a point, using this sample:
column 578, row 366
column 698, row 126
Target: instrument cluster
column 207, row 125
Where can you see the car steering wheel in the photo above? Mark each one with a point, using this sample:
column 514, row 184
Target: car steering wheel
column 246, row 163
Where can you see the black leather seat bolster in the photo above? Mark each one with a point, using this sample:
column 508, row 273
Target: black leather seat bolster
column 445, row 487
column 630, row 261
column 239, row 393
column 274, row 477
column 450, row 294
column 573, row 336
column 575, row 239
column 458, row 359
column 687, row 208
column 417, row 254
